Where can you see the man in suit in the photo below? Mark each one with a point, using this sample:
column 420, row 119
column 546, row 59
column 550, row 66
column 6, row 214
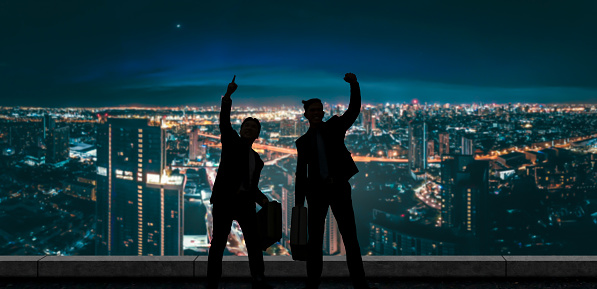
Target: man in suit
column 324, row 167
column 235, row 193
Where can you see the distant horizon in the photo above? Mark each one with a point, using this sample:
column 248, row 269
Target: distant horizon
column 295, row 105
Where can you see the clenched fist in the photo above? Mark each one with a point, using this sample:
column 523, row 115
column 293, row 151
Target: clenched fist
column 350, row 78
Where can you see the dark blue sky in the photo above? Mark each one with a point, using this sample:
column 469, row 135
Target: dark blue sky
column 118, row 52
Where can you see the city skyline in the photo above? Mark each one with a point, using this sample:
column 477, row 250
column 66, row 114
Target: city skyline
column 427, row 175
column 72, row 54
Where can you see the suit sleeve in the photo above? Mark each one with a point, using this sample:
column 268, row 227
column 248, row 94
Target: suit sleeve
column 300, row 181
column 354, row 107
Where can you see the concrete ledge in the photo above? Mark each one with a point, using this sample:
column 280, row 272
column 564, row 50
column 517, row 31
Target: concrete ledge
column 284, row 266
column 19, row 266
column 275, row 266
column 116, row 266
column 434, row 266
column 551, row 266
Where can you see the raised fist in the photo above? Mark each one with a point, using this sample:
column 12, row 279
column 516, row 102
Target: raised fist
column 350, row 78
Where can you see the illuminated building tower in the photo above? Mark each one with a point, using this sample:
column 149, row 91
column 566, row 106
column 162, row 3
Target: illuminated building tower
column 193, row 144
column 430, row 148
column 465, row 191
column 453, row 172
column 57, row 148
column 197, row 147
column 417, row 151
column 287, row 202
column 139, row 202
column 332, row 241
column 367, row 115
column 444, row 143
column 49, row 124
column 466, row 146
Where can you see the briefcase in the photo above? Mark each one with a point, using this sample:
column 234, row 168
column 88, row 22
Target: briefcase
column 270, row 224
column 298, row 234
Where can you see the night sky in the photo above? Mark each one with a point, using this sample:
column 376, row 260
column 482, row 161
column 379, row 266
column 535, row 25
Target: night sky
column 170, row 53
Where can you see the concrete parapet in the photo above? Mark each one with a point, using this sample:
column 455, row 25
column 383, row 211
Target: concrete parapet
column 284, row 266
column 116, row 266
column 19, row 266
column 434, row 266
column 551, row 266
column 375, row 266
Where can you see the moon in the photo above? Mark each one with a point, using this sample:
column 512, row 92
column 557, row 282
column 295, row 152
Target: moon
column 178, row 25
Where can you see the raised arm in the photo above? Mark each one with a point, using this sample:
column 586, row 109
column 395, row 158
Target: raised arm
column 225, row 125
column 354, row 107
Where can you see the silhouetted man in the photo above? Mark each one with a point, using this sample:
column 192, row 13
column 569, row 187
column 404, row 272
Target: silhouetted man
column 323, row 169
column 235, row 192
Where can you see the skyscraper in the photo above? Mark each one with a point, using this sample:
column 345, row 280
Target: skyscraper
column 465, row 192
column 444, row 143
column 57, row 148
column 197, row 148
column 287, row 205
column 139, row 201
column 417, row 151
column 453, row 172
column 466, row 146
column 332, row 241
column 49, row 124
column 430, row 148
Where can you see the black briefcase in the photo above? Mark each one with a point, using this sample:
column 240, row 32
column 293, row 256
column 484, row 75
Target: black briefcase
column 298, row 234
column 270, row 224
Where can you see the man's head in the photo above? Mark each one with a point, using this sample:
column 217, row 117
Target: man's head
column 313, row 110
column 250, row 128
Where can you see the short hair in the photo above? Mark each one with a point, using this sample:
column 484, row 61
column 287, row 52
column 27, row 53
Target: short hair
column 252, row 119
column 307, row 103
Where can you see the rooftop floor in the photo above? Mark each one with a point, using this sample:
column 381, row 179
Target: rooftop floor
column 382, row 271
column 295, row 283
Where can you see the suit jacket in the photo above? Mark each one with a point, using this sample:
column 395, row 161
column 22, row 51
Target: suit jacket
column 234, row 165
column 341, row 166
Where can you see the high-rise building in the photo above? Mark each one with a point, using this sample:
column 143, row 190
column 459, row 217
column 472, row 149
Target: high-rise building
column 49, row 124
column 287, row 205
column 430, row 148
column 197, row 147
column 57, row 148
column 444, row 143
column 453, row 172
column 465, row 192
column 139, row 202
column 466, row 146
column 332, row 241
column 367, row 116
column 417, row 151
